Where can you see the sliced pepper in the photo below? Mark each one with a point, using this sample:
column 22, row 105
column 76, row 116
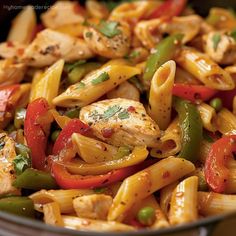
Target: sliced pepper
column 63, row 140
column 191, row 129
column 35, row 180
column 193, row 93
column 164, row 51
column 216, row 172
column 227, row 98
column 169, row 9
column 36, row 131
column 69, row 181
column 22, row 206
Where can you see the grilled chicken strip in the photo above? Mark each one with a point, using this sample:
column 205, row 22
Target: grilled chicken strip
column 50, row 45
column 121, row 122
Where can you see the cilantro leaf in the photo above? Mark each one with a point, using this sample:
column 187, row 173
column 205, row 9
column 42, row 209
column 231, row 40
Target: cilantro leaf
column 71, row 66
column 123, row 115
column 109, row 29
column 80, row 85
column 133, row 55
column 216, row 39
column 233, row 34
column 21, row 163
column 89, row 35
column 111, row 111
column 101, row 78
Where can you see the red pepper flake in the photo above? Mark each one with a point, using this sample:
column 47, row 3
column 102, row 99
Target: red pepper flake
column 107, row 132
column 20, row 51
column 166, row 175
column 131, row 109
column 10, row 44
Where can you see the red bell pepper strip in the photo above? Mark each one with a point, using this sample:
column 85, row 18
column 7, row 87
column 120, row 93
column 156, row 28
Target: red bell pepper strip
column 216, row 172
column 35, row 129
column 6, row 92
column 227, row 98
column 193, row 92
column 69, row 181
column 63, row 140
column 169, row 9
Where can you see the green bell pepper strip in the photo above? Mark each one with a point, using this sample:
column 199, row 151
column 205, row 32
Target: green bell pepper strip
column 22, row 206
column 35, row 180
column 19, row 117
column 191, row 129
column 164, row 51
column 76, row 74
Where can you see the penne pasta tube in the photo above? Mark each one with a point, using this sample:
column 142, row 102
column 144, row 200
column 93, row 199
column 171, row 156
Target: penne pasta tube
column 146, row 182
column 204, row 150
column 226, row 122
column 52, row 214
column 92, row 150
column 61, row 120
column 203, row 68
column 210, row 203
column 165, row 197
column 234, row 106
column 208, row 115
column 83, row 224
column 25, row 94
column 63, row 197
column 95, row 85
column 138, row 155
column 160, row 96
column 48, row 83
column 183, row 206
column 184, row 77
column 170, row 142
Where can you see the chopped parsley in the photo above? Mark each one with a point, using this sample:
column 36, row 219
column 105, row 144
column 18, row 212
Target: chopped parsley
column 109, row 29
column 111, row 111
column 133, row 55
column 123, row 115
column 216, row 39
column 21, row 163
column 89, row 35
column 233, row 34
column 71, row 66
column 80, row 85
column 101, row 78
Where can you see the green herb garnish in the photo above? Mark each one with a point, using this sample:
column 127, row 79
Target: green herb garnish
column 80, row 85
column 123, row 115
column 216, row 39
column 133, row 55
column 101, row 78
column 89, row 35
column 111, row 111
column 109, row 29
column 21, row 163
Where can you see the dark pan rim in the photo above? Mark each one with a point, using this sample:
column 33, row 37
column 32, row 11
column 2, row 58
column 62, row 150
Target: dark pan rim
column 34, row 224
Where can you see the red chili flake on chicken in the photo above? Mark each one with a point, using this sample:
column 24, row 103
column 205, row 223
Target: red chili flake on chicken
column 107, row 132
column 166, row 175
column 131, row 109
column 10, row 44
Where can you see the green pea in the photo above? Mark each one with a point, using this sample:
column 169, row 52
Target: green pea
column 216, row 103
column 73, row 113
column 146, row 215
column 55, row 135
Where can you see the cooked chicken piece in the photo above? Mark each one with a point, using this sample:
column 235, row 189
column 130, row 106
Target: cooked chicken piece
column 113, row 46
column 95, row 206
column 50, row 46
column 220, row 47
column 124, row 90
column 11, row 50
column 11, row 73
column 7, row 155
column 121, row 122
column 62, row 13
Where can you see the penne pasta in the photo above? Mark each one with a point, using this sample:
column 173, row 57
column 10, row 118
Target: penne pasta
column 63, row 197
column 183, row 206
column 184, row 77
column 208, row 115
column 52, row 214
column 203, row 68
column 210, row 203
column 92, row 150
column 234, row 106
column 204, row 150
column 160, row 96
column 144, row 183
column 138, row 155
column 170, row 142
column 226, row 122
column 48, row 83
column 88, row 91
